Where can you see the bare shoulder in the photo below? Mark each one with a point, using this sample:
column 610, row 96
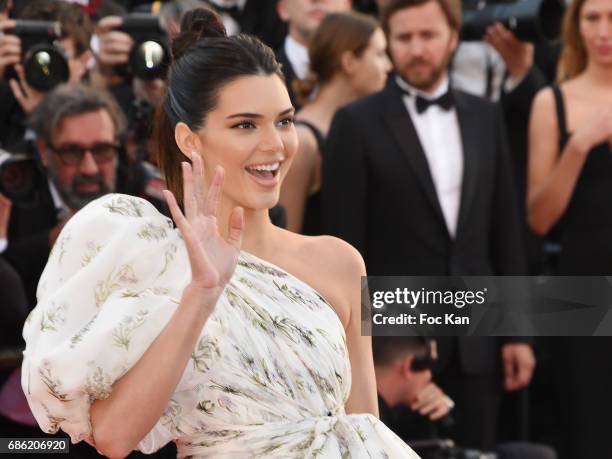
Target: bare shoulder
column 336, row 255
column 544, row 101
column 331, row 266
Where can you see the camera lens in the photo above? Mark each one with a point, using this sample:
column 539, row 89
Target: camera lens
column 149, row 60
column 45, row 67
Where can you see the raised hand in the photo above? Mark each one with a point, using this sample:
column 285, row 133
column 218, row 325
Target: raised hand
column 212, row 257
column 597, row 130
column 28, row 97
column 10, row 46
column 518, row 55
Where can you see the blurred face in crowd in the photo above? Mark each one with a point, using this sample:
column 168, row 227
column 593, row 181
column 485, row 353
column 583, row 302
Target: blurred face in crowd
column 596, row 30
column 304, row 16
column 421, row 43
column 251, row 135
column 77, row 65
column 369, row 70
column 82, row 161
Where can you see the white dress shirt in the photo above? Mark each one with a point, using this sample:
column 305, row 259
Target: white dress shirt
column 298, row 57
column 440, row 137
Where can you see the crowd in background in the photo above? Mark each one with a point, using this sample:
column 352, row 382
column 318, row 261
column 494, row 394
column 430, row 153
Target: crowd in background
column 430, row 154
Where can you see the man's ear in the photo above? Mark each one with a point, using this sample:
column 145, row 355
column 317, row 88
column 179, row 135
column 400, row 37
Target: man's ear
column 405, row 366
column 281, row 10
column 187, row 141
column 42, row 151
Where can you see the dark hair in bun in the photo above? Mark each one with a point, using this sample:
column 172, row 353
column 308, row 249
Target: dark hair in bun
column 205, row 59
column 196, row 24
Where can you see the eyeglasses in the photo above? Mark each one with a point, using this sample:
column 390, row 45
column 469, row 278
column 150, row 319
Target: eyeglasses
column 73, row 154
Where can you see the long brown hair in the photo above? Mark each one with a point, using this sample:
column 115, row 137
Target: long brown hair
column 337, row 33
column 574, row 59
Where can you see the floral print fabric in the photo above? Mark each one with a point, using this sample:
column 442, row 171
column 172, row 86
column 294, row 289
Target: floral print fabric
column 268, row 377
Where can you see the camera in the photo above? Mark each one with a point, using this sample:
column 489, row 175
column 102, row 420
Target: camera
column 19, row 178
column 150, row 57
column 530, row 20
column 44, row 62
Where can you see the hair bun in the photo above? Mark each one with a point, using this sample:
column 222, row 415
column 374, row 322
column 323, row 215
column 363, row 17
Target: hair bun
column 196, row 24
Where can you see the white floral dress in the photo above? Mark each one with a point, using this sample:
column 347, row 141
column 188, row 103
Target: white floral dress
column 268, row 377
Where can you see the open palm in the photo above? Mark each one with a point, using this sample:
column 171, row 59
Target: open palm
column 212, row 257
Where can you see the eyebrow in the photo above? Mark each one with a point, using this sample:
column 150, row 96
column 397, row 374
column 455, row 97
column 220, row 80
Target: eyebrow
column 257, row 115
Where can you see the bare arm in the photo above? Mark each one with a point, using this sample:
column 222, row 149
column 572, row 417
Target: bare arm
column 299, row 179
column 551, row 179
column 138, row 400
column 363, row 398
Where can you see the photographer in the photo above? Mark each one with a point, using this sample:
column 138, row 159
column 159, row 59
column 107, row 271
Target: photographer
column 419, row 411
column 77, row 131
column 17, row 97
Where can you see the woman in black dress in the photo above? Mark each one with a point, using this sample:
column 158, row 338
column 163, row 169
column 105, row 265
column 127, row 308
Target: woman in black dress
column 570, row 186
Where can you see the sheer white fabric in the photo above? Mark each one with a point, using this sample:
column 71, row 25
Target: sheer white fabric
column 269, row 375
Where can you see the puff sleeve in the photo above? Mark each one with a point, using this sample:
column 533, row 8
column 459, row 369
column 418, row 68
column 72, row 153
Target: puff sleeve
column 113, row 280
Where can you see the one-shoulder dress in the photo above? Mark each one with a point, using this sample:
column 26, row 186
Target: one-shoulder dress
column 268, row 377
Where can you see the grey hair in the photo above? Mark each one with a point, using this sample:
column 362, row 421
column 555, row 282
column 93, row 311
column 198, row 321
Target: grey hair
column 70, row 100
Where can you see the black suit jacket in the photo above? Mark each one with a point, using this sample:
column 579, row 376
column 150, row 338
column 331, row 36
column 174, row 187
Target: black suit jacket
column 28, row 237
column 379, row 196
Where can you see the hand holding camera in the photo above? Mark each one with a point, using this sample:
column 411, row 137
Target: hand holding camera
column 518, row 55
column 10, row 46
column 134, row 44
column 114, row 45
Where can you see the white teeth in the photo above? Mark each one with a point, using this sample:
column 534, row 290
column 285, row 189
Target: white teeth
column 266, row 167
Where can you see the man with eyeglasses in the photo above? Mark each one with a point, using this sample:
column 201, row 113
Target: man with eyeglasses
column 77, row 131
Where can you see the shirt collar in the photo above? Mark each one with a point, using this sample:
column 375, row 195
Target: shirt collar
column 440, row 90
column 58, row 202
column 298, row 57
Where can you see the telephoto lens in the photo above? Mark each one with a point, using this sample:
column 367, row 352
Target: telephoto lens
column 18, row 178
column 44, row 64
column 149, row 57
column 534, row 21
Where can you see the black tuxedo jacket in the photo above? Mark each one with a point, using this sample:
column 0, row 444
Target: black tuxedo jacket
column 378, row 195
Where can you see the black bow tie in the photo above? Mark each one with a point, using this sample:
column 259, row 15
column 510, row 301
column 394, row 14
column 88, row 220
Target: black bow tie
column 445, row 101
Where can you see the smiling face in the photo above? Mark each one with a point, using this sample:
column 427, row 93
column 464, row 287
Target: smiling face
column 251, row 135
column 596, row 30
